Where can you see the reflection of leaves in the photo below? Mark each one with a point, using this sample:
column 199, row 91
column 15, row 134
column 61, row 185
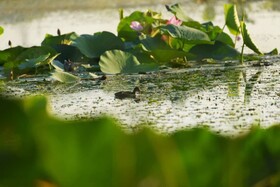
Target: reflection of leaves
column 250, row 86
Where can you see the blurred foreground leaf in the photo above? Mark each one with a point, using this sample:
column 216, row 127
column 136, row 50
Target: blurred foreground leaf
column 36, row 147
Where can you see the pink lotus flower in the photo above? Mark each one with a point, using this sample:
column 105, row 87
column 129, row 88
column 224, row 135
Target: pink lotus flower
column 135, row 25
column 174, row 21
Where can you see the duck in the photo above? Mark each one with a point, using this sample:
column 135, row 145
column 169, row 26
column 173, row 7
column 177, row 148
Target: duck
column 127, row 94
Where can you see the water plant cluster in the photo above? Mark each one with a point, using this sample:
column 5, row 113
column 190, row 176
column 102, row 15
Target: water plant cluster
column 144, row 42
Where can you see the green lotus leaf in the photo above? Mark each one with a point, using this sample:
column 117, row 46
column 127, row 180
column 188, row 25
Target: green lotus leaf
column 35, row 62
column 217, row 51
column 231, row 18
column 178, row 12
column 225, row 38
column 13, row 57
column 186, row 34
column 57, row 65
column 247, row 39
column 160, row 51
column 10, row 54
column 69, row 52
column 92, row 46
column 272, row 52
column 52, row 41
column 117, row 61
column 65, row 77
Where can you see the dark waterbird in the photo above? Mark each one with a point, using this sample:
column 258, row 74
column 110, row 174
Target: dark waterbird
column 127, row 94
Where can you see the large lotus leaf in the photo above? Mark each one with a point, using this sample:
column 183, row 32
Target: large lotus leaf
column 215, row 33
column 35, row 53
column 232, row 20
column 35, row 62
column 1, row 30
column 52, row 41
column 225, row 38
column 178, row 12
column 92, row 46
column 165, row 55
column 142, row 56
column 69, row 52
column 9, row 55
column 247, row 39
column 160, row 51
column 117, row 61
column 186, row 34
column 15, row 56
column 127, row 33
column 217, row 51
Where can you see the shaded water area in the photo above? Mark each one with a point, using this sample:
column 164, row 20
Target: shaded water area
column 225, row 97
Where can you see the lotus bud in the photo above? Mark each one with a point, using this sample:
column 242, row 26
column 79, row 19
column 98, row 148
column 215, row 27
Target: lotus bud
column 135, row 25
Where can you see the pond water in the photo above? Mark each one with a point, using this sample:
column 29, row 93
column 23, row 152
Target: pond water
column 227, row 99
